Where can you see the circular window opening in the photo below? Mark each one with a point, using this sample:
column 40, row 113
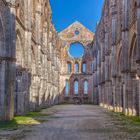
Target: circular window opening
column 77, row 32
column 76, row 50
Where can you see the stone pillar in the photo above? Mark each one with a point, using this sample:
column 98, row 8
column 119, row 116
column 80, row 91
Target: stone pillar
column 113, row 11
column 138, row 31
column 125, row 60
column 7, row 65
column 138, row 95
column 138, row 55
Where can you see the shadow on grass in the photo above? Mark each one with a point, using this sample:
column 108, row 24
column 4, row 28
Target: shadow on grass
column 129, row 124
column 128, row 119
column 33, row 118
column 8, row 124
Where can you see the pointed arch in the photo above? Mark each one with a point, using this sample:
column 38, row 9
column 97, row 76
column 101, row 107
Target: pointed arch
column 86, row 87
column 84, row 67
column 68, row 67
column 76, row 87
column 76, row 67
column 67, row 87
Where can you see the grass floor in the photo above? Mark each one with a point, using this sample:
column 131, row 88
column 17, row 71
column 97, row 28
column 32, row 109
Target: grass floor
column 33, row 118
column 129, row 124
column 127, row 119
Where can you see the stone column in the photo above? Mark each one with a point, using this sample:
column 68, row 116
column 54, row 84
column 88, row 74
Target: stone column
column 7, row 65
column 125, row 62
column 138, row 56
column 113, row 11
column 138, row 31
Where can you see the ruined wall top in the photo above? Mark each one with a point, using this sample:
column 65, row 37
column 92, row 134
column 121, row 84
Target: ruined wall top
column 76, row 32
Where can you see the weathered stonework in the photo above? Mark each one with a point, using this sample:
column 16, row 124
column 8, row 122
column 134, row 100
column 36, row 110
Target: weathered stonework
column 34, row 58
column 116, row 57
column 68, row 37
column 29, row 57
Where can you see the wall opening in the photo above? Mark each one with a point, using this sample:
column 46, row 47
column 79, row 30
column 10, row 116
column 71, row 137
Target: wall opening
column 85, row 87
column 66, row 88
column 76, row 87
column 69, row 67
column 84, row 67
column 76, row 67
column 76, row 50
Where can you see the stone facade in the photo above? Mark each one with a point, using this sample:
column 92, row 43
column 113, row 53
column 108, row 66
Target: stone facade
column 29, row 57
column 34, row 58
column 68, row 37
column 37, row 56
column 117, row 56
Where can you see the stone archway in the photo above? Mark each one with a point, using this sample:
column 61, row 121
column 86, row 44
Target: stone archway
column 20, row 90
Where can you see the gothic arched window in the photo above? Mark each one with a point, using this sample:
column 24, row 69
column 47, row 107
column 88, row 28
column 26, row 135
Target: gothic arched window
column 76, row 87
column 66, row 88
column 84, row 67
column 69, row 67
column 76, row 67
column 85, row 87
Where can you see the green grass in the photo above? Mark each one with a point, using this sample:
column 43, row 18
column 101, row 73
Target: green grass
column 129, row 124
column 128, row 119
column 8, row 124
column 32, row 118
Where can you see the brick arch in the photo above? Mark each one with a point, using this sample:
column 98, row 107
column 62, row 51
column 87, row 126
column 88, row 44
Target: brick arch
column 78, row 41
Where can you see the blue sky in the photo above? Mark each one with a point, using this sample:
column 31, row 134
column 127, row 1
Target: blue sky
column 79, row 50
column 65, row 12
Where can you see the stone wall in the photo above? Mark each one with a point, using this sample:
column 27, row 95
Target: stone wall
column 29, row 57
column 68, row 37
column 116, row 57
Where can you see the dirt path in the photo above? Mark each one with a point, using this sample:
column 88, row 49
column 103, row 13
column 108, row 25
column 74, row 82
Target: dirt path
column 76, row 122
column 84, row 122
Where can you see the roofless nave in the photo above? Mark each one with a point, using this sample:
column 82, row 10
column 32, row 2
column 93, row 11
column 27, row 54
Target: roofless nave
column 37, row 70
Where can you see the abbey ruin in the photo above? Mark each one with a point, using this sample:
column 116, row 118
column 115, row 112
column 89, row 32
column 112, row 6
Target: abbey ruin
column 37, row 71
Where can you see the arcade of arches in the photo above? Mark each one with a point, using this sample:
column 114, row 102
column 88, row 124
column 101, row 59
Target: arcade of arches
column 37, row 70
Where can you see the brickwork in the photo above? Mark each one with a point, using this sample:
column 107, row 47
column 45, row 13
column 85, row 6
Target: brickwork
column 68, row 37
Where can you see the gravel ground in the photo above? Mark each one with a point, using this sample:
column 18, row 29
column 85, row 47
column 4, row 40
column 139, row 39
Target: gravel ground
column 79, row 122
